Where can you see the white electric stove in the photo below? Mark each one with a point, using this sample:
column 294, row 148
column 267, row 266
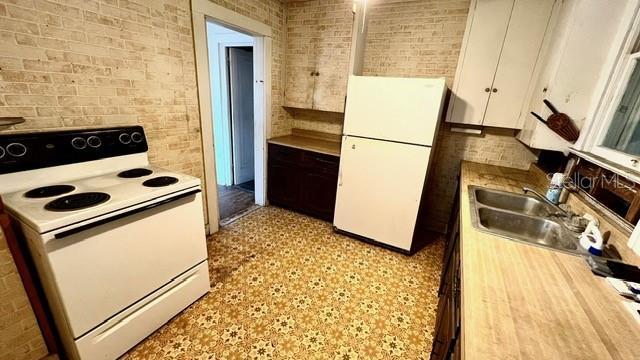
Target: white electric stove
column 118, row 244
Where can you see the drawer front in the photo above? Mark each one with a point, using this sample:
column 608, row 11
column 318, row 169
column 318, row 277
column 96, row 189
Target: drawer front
column 125, row 330
column 321, row 162
column 284, row 154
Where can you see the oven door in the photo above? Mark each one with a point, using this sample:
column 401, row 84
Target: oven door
column 102, row 267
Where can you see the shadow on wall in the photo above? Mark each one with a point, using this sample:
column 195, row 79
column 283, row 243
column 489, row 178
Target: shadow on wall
column 494, row 146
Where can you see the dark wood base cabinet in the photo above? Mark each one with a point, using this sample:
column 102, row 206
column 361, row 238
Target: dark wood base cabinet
column 302, row 181
column 446, row 341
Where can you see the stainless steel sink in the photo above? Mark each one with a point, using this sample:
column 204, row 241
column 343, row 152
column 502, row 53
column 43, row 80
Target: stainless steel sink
column 526, row 228
column 513, row 202
column 520, row 217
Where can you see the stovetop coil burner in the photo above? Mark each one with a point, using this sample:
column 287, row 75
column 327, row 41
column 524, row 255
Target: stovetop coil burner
column 49, row 191
column 160, row 181
column 77, row 201
column 135, row 173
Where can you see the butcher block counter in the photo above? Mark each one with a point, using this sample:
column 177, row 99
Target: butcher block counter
column 328, row 144
column 520, row 301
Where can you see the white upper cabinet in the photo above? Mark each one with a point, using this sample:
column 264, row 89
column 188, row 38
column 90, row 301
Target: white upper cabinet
column 499, row 53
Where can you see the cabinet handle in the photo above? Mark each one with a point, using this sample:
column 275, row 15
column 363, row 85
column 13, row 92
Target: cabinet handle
column 317, row 73
column 312, row 73
column 495, row 90
column 487, row 89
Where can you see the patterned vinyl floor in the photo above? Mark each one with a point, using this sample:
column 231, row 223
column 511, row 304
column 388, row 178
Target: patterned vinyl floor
column 286, row 286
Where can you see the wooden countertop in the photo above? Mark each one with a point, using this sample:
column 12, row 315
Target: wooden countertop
column 525, row 302
column 310, row 143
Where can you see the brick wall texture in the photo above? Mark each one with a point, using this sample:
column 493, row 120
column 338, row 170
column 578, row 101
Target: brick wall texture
column 98, row 63
column 423, row 39
column 20, row 336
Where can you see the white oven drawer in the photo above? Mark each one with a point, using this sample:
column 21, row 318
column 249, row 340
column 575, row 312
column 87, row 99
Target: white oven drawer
column 101, row 270
column 122, row 332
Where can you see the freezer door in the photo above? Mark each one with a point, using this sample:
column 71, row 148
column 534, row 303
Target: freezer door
column 379, row 189
column 397, row 109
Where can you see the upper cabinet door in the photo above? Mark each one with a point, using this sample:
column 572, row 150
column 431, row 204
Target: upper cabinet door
column 299, row 88
column 331, row 78
column 486, row 30
column 527, row 27
column 317, row 55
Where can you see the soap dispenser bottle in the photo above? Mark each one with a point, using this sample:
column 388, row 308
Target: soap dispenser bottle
column 555, row 188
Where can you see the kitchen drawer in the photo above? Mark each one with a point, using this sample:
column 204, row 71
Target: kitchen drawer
column 321, row 162
column 123, row 331
column 286, row 154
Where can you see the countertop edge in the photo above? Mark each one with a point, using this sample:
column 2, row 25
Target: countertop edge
column 321, row 146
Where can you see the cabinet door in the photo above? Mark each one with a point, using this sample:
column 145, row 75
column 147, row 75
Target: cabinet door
column 331, row 78
column 527, row 28
column 283, row 184
column 484, row 40
column 301, row 53
column 300, row 84
column 318, row 42
column 319, row 194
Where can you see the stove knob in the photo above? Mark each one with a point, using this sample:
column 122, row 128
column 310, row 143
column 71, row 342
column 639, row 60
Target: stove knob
column 16, row 149
column 94, row 142
column 137, row 137
column 1, row 152
column 79, row 143
column 124, row 138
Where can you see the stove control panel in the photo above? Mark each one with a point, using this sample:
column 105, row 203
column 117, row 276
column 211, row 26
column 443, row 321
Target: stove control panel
column 20, row 152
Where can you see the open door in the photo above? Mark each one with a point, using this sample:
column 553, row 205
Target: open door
column 241, row 99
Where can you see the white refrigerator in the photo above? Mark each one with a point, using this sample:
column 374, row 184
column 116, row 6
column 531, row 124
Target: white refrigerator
column 390, row 127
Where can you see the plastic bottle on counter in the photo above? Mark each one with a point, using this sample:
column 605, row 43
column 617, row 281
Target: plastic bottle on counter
column 555, row 188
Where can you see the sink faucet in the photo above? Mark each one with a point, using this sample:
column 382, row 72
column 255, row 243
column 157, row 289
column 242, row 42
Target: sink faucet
column 544, row 198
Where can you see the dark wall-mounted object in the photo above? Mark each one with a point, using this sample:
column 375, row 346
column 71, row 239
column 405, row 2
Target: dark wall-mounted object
column 560, row 123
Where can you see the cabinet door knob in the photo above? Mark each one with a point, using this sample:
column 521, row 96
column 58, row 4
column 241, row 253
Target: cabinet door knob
column 313, row 73
column 495, row 90
column 487, row 89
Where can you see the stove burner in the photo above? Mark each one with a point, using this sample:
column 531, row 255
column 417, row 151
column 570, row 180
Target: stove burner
column 160, row 181
column 49, row 191
column 135, row 173
column 77, row 201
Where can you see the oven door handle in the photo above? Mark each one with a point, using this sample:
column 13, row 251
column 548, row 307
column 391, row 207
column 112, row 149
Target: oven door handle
column 67, row 233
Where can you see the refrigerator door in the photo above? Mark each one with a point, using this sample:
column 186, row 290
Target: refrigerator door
column 379, row 189
column 396, row 109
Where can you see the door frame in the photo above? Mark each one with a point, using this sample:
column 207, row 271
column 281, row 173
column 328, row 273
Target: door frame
column 202, row 11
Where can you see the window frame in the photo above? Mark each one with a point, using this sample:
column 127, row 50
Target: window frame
column 622, row 61
column 631, row 62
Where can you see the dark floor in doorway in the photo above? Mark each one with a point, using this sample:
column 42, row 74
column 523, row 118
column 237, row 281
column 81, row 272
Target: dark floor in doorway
column 233, row 200
column 249, row 185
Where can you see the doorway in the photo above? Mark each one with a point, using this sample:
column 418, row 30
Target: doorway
column 232, row 82
column 203, row 13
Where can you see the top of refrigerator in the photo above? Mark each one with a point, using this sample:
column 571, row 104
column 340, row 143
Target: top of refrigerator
column 405, row 110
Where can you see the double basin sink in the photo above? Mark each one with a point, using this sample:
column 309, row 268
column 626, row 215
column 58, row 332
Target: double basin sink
column 520, row 217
